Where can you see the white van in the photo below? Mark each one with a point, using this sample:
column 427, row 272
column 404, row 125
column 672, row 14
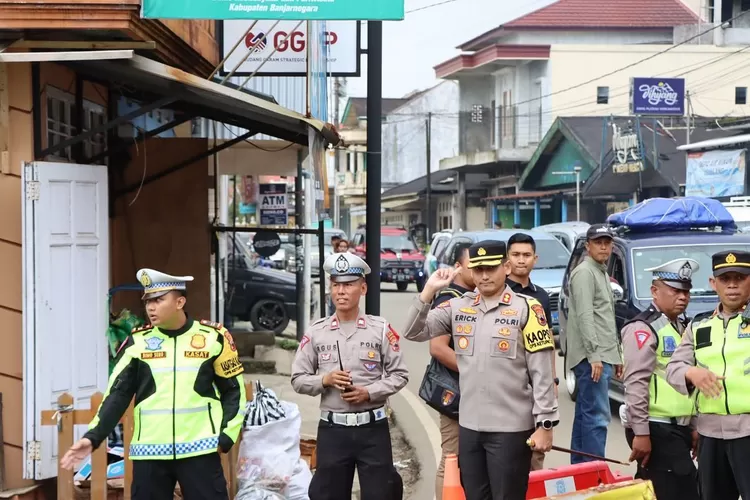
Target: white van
column 739, row 208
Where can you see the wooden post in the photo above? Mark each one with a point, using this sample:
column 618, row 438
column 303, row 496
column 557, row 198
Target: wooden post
column 127, row 438
column 2, row 447
column 98, row 460
column 63, row 418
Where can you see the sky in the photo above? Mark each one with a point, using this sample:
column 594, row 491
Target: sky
column 429, row 35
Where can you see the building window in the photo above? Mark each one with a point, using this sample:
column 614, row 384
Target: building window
column 740, row 95
column 60, row 113
column 602, row 95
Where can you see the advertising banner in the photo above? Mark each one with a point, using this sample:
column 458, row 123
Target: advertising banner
column 292, row 10
column 284, row 49
column 273, row 205
column 714, row 174
column 657, row 96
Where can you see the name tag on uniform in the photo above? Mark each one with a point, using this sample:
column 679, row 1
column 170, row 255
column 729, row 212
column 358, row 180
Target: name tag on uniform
column 743, row 332
column 153, row 355
column 197, row 354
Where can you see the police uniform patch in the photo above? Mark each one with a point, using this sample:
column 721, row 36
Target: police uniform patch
column 153, row 355
column 447, row 397
column 197, row 354
column 467, row 329
column 538, row 340
column 641, row 337
column 509, row 312
column 154, row 343
column 504, row 332
column 361, row 323
column 212, row 324
column 463, row 342
column 369, row 366
column 503, row 346
column 371, row 354
column 198, row 341
column 140, row 329
column 445, row 304
column 230, row 341
column 305, row 340
column 539, row 313
column 341, row 265
column 743, row 332
column 670, row 345
column 477, row 300
column 468, row 310
column 393, row 337
column 506, row 298
column 460, row 329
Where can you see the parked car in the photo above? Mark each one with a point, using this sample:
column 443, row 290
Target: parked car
column 548, row 272
column 437, row 247
column 633, row 252
column 328, row 250
column 401, row 262
column 566, row 232
column 265, row 297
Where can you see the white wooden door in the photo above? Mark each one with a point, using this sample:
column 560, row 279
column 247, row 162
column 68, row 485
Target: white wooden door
column 66, row 281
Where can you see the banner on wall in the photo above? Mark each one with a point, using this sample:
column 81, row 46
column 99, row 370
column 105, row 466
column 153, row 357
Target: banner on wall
column 715, row 174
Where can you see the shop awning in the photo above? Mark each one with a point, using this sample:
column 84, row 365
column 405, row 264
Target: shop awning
column 399, row 202
column 529, row 195
column 203, row 98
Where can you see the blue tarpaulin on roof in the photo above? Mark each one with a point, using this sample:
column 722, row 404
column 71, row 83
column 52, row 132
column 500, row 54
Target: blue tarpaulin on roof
column 671, row 214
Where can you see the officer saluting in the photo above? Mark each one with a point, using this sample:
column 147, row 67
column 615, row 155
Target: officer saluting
column 714, row 359
column 502, row 342
column 354, row 361
column 658, row 417
column 189, row 397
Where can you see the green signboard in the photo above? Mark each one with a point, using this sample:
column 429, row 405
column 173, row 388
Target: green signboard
column 293, row 10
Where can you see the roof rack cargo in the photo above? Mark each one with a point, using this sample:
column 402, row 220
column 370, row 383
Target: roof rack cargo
column 673, row 214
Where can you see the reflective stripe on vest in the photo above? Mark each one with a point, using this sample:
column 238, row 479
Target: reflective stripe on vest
column 664, row 401
column 176, row 421
column 726, row 354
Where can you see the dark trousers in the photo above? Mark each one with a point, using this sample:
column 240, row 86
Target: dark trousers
column 200, row 478
column 724, row 468
column 368, row 448
column 670, row 468
column 494, row 465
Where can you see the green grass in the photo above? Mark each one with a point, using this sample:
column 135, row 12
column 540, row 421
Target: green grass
column 287, row 344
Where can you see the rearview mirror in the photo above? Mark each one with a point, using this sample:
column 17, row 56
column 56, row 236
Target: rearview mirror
column 617, row 291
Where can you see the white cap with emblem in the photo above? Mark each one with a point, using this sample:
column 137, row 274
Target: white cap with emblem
column 677, row 273
column 345, row 266
column 156, row 283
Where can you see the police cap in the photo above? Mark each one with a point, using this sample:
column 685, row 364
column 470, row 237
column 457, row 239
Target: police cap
column 345, row 266
column 735, row 261
column 676, row 273
column 156, row 283
column 486, row 253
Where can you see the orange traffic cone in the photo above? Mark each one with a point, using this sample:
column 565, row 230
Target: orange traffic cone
column 452, row 489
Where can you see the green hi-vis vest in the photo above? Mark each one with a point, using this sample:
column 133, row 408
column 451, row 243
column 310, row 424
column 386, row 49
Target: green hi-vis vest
column 726, row 352
column 664, row 401
column 178, row 411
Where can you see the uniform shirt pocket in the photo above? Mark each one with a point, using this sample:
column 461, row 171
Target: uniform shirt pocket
column 325, row 358
column 463, row 344
column 370, row 359
column 503, row 347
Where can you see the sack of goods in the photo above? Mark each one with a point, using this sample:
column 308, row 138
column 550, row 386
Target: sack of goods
column 270, row 466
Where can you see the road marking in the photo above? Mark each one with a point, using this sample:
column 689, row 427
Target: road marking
column 428, row 423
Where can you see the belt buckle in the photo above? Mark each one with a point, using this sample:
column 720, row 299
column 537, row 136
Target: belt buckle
column 351, row 419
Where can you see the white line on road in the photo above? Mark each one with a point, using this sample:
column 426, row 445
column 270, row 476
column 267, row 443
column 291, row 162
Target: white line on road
column 424, row 417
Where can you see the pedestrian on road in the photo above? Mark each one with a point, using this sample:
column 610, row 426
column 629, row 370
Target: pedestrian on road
column 522, row 258
column 713, row 358
column 186, row 377
column 592, row 347
column 354, row 362
column 658, row 418
column 443, row 352
column 502, row 342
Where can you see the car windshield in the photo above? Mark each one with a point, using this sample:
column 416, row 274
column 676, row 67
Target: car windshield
column 242, row 251
column 397, row 242
column 646, row 258
column 552, row 255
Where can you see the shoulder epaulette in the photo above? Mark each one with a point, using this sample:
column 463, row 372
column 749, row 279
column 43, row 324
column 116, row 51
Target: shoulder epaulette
column 319, row 322
column 141, row 329
column 704, row 315
column 379, row 319
column 212, row 324
column 470, row 295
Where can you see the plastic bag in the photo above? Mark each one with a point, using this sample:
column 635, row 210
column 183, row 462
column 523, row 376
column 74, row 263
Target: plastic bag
column 269, row 466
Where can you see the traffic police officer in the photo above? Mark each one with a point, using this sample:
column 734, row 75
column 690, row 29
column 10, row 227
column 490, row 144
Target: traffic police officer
column 186, row 377
column 658, row 417
column 503, row 342
column 714, row 358
column 354, row 361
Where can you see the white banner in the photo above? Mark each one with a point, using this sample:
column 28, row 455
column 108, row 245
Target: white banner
column 290, row 57
column 715, row 174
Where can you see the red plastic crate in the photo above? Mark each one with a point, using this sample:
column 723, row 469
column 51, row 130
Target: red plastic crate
column 548, row 482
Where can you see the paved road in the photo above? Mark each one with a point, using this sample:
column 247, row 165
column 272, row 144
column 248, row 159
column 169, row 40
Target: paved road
column 424, row 431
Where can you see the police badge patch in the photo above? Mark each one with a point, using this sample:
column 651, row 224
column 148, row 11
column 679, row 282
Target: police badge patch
column 342, row 265
column 447, row 397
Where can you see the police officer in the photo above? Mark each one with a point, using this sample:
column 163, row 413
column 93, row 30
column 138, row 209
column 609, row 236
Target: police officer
column 354, row 361
column 657, row 425
column 713, row 358
column 186, row 377
column 503, row 342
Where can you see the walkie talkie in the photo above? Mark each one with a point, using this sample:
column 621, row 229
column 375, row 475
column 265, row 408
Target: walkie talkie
column 341, row 366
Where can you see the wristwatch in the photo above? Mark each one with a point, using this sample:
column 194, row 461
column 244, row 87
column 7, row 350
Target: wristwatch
column 557, row 381
column 546, row 424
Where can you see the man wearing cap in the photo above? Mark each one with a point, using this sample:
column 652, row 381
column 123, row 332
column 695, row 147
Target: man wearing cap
column 657, row 423
column 354, row 362
column 186, row 377
column 713, row 360
column 503, row 342
column 592, row 348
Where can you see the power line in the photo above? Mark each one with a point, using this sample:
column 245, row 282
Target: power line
column 426, row 6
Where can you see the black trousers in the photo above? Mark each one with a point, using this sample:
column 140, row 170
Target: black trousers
column 368, row 448
column 200, row 478
column 670, row 468
column 494, row 465
column 724, row 468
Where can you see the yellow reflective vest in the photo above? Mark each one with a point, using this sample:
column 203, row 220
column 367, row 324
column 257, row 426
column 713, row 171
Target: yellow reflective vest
column 188, row 388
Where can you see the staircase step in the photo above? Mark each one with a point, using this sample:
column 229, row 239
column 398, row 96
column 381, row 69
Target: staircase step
column 258, row 366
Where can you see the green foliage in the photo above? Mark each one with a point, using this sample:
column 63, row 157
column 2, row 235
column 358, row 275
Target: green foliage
column 287, row 344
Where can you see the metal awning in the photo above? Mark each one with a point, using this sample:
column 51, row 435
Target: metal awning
column 200, row 97
column 715, row 143
column 398, row 202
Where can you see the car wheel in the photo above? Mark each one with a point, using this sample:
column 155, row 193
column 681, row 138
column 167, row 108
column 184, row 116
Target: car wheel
column 402, row 286
column 571, row 384
column 269, row 315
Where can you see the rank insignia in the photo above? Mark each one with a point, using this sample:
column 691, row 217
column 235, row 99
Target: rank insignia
column 370, row 366
column 506, row 298
column 468, row 310
column 361, row 323
column 509, row 312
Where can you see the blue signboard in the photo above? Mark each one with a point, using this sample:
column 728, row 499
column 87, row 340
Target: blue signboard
column 657, row 96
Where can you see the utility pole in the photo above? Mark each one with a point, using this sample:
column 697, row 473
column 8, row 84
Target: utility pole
column 428, row 161
column 687, row 135
column 336, row 202
column 374, row 149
